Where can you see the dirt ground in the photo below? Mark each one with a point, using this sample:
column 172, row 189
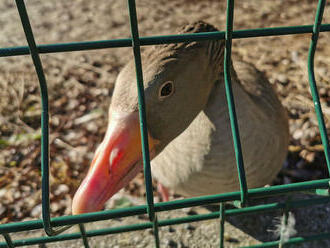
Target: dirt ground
column 80, row 85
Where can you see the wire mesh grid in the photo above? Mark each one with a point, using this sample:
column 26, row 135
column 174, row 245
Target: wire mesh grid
column 54, row 227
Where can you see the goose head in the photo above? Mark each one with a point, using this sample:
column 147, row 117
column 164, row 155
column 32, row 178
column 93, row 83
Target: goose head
column 178, row 79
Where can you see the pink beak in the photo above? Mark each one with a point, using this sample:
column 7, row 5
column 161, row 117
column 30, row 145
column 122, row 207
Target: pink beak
column 116, row 162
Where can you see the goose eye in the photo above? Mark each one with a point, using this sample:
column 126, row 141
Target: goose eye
column 166, row 90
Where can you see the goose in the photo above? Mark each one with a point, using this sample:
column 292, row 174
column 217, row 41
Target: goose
column 189, row 133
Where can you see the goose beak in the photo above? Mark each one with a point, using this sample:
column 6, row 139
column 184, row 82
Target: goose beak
column 116, row 162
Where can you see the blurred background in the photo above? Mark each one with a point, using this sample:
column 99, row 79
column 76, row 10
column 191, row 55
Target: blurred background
column 80, row 85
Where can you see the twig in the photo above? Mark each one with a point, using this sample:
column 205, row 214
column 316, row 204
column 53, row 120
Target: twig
column 314, row 148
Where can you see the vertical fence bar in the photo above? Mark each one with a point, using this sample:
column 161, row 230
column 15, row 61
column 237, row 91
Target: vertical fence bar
column 44, row 118
column 222, row 224
column 142, row 115
column 312, row 81
column 8, row 240
column 83, row 235
column 231, row 104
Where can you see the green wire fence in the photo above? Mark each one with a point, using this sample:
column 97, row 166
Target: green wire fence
column 54, row 227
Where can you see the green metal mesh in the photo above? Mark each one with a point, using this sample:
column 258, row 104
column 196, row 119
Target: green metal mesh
column 55, row 226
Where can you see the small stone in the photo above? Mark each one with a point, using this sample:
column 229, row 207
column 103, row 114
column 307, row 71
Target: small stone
column 171, row 243
column 136, row 239
column 72, row 104
column 191, row 212
column 91, row 127
column 3, row 192
column 82, row 108
column 231, row 239
column 142, row 245
column 322, row 71
column 25, row 188
column 17, row 195
column 323, row 91
column 55, row 120
column 285, row 62
column 295, row 57
column 182, row 245
column 2, row 209
column 36, row 211
column 310, row 157
column 283, row 79
column 55, row 206
column 298, row 134
column 311, row 133
column 307, row 155
column 306, row 125
column 61, row 189
column 189, row 227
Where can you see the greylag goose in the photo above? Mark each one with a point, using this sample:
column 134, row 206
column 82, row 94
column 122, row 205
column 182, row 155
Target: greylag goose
column 189, row 132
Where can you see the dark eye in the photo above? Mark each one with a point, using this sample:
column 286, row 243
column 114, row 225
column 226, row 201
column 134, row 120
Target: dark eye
column 166, row 90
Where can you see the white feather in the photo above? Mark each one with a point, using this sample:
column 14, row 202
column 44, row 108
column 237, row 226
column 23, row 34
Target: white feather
column 285, row 229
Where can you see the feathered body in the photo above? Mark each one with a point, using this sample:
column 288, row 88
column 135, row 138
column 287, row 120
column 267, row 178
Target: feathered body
column 202, row 160
column 188, row 125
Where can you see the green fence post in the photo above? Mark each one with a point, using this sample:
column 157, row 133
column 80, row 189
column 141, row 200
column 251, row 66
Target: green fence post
column 9, row 242
column 231, row 104
column 312, row 81
column 142, row 115
column 44, row 118
column 222, row 216
column 83, row 235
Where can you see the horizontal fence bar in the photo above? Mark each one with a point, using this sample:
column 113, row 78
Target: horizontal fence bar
column 174, row 221
column 156, row 40
column 165, row 206
column 292, row 241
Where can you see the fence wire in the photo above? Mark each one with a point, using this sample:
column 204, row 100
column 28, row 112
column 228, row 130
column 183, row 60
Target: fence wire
column 54, row 227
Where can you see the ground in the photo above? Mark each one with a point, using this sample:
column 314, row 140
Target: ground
column 80, row 85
